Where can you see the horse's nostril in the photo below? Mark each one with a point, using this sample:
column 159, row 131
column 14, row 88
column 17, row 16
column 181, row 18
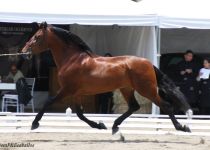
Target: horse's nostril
column 29, row 50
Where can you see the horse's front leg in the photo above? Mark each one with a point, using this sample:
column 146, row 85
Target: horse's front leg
column 49, row 102
column 133, row 106
column 79, row 112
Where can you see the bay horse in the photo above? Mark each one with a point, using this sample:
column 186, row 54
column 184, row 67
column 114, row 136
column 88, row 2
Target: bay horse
column 81, row 72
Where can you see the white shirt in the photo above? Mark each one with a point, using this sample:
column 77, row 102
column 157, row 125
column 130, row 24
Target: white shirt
column 204, row 73
column 15, row 77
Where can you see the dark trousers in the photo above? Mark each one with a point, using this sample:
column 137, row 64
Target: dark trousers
column 105, row 102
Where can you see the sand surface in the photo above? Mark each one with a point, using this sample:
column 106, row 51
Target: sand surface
column 76, row 141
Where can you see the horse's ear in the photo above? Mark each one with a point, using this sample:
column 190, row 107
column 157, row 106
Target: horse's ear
column 43, row 25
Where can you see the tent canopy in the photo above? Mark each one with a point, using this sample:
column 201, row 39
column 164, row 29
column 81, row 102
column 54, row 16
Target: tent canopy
column 86, row 12
column 162, row 13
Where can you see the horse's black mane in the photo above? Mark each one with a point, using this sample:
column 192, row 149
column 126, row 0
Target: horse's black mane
column 70, row 38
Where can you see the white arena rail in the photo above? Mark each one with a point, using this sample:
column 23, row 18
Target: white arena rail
column 136, row 124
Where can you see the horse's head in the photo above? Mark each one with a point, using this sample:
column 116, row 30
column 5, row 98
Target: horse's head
column 37, row 43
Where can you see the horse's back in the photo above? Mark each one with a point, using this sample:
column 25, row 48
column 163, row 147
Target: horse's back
column 133, row 64
column 124, row 59
column 130, row 62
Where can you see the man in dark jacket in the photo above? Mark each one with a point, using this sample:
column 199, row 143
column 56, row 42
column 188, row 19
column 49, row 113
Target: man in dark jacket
column 188, row 71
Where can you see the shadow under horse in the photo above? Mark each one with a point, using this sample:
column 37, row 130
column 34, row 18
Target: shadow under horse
column 81, row 72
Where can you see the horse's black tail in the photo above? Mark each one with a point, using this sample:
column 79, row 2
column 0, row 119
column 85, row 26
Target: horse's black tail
column 170, row 92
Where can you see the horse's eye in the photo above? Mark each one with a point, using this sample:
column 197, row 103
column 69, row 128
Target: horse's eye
column 36, row 38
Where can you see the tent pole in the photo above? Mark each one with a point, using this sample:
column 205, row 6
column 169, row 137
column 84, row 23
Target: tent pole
column 156, row 109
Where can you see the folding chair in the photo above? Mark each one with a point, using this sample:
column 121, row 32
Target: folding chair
column 12, row 99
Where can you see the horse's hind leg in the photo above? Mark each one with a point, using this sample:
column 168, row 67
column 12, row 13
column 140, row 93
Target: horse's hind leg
column 150, row 91
column 168, row 108
column 79, row 112
column 132, row 107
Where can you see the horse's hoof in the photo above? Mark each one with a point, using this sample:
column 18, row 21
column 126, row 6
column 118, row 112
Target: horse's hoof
column 186, row 129
column 34, row 126
column 115, row 130
column 102, row 126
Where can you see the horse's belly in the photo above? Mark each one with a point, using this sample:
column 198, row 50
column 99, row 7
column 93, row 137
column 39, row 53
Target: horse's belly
column 100, row 85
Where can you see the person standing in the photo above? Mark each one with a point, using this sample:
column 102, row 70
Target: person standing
column 105, row 99
column 204, row 88
column 188, row 71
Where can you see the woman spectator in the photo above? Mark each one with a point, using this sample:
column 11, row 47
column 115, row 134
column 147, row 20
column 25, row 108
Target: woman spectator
column 204, row 84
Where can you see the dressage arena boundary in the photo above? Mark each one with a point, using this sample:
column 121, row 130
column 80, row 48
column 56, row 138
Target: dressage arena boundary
column 136, row 124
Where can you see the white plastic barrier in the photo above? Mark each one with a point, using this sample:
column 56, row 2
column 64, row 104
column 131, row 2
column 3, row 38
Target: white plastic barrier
column 136, row 124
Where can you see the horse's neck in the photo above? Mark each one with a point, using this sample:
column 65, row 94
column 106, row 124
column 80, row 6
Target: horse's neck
column 59, row 50
column 62, row 55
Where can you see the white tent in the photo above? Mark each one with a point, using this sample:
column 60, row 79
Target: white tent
column 193, row 14
column 86, row 12
column 162, row 13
